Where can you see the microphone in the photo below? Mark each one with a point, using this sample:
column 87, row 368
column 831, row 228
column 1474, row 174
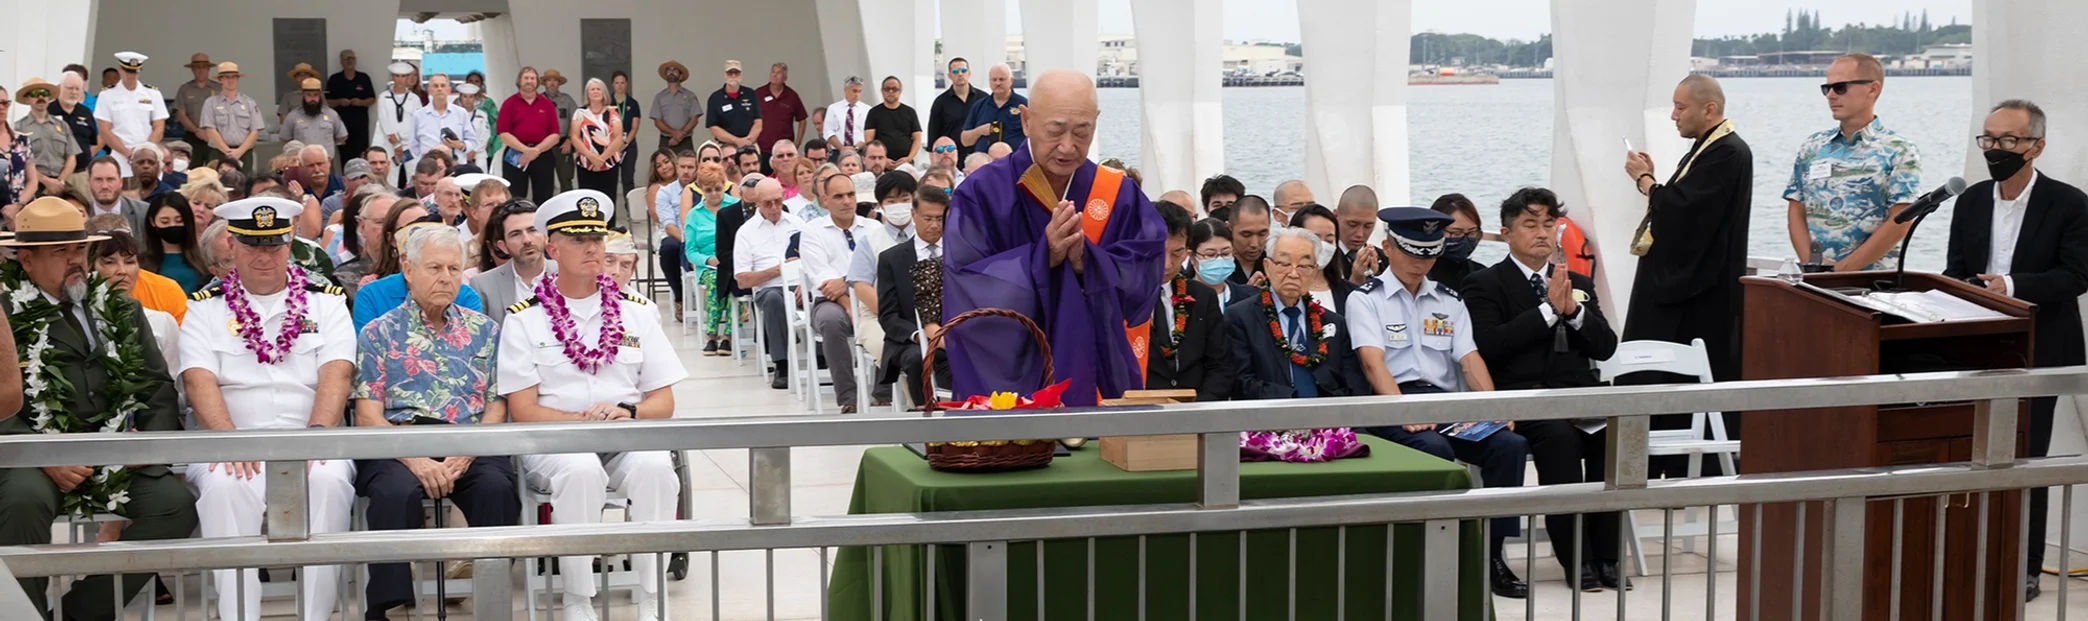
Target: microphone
column 1928, row 203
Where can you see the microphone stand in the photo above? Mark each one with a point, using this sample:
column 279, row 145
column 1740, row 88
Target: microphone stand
column 1899, row 273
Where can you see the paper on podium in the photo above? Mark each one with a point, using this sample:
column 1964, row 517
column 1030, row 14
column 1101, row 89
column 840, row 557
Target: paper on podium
column 1933, row 306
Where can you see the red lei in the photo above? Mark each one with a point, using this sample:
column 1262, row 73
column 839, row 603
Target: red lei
column 1181, row 300
column 1313, row 341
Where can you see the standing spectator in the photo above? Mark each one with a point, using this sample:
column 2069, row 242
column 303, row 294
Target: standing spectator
column 598, row 139
column 188, row 101
column 628, row 111
column 469, row 97
column 50, row 142
column 896, row 125
column 351, row 94
column 1189, row 336
column 700, row 241
column 18, row 176
column 675, row 110
column 845, row 118
column 395, row 114
column 71, row 107
column 442, row 123
column 110, row 77
column 1459, row 240
column 996, row 119
column 528, row 125
column 484, row 106
column 1848, row 182
column 294, row 97
column 783, row 113
column 671, row 207
column 946, row 116
column 552, row 82
column 735, row 120
column 135, row 115
column 312, row 122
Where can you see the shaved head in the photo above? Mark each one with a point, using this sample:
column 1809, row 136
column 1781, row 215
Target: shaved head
column 1356, row 217
column 1359, row 199
column 1060, row 121
column 1291, row 196
column 1178, row 197
column 1703, row 89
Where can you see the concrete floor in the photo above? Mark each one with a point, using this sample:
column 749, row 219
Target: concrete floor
column 822, row 480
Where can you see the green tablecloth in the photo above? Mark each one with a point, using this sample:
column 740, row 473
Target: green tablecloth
column 894, row 480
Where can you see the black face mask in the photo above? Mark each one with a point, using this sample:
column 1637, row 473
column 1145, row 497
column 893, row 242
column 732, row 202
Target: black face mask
column 2003, row 164
column 174, row 233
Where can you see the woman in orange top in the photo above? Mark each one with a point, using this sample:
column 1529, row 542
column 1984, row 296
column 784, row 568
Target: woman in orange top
column 116, row 259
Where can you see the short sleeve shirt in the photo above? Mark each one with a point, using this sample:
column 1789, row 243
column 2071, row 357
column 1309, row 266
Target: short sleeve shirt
column 780, row 114
column 324, row 128
column 50, row 142
column 1848, row 186
column 190, row 97
column 676, row 106
column 895, row 128
column 84, row 130
column 736, row 112
column 565, row 106
column 232, row 118
column 267, row 396
column 416, row 371
column 130, row 112
column 1423, row 336
column 1005, row 118
column 532, row 357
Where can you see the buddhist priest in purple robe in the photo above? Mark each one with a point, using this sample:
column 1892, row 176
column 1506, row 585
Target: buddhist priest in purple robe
column 1073, row 246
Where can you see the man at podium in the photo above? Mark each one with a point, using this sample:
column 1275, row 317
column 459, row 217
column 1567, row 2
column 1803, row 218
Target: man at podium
column 2025, row 235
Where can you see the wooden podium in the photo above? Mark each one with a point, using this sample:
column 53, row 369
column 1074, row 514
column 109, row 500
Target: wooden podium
column 1794, row 332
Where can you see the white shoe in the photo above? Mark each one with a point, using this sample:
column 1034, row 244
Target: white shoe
column 580, row 611
column 649, row 609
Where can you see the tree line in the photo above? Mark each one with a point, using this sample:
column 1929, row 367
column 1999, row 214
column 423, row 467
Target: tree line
column 1803, row 30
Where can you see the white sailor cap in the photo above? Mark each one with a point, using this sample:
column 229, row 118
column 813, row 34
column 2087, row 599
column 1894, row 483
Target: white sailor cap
column 260, row 221
column 467, row 88
column 468, row 181
column 401, row 68
column 579, row 212
column 131, row 61
column 619, row 242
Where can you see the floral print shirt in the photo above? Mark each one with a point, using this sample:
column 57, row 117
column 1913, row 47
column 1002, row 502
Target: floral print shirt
column 1849, row 184
column 420, row 373
column 14, row 170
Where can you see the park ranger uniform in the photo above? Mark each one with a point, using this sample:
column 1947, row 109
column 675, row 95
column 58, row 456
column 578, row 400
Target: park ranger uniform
column 531, row 356
column 261, row 395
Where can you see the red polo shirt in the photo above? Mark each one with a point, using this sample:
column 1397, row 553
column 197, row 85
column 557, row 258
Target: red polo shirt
column 780, row 115
column 530, row 123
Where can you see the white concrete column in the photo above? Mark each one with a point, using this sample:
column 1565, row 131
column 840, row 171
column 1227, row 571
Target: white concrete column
column 1617, row 63
column 41, row 38
column 503, row 60
column 1179, row 65
column 1060, row 34
column 900, row 40
column 2024, row 51
column 841, row 27
column 1356, row 115
column 977, row 31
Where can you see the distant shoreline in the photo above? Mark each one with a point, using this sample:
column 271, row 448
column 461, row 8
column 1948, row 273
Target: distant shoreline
column 1532, row 74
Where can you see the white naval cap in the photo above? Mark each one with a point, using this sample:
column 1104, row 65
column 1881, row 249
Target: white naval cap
column 131, row 60
column 578, row 212
column 468, row 181
column 619, row 242
column 260, row 221
column 401, row 68
column 467, row 88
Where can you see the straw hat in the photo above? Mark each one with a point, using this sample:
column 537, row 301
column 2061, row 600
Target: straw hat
column 552, row 75
column 199, row 60
column 36, row 83
column 228, row 68
column 303, row 69
column 310, row 84
column 673, row 64
column 50, row 221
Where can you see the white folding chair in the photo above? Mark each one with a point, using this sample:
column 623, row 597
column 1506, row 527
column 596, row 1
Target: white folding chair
column 865, row 366
column 797, row 326
column 1705, row 437
column 424, row 584
column 694, row 299
column 740, row 345
column 78, row 531
column 809, row 337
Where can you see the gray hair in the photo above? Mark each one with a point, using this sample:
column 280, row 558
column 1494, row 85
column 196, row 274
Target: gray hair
column 977, row 158
column 419, row 238
column 851, row 81
column 149, row 148
column 208, row 240
column 1290, row 232
column 325, row 154
column 2037, row 115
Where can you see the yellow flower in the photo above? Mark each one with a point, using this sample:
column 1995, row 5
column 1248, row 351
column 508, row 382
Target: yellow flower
column 1001, row 401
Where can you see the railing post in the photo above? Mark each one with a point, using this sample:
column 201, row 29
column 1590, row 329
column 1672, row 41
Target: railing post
column 286, row 501
column 1440, row 584
column 1625, row 448
column 1841, row 557
column 986, row 583
column 769, row 484
column 1218, row 470
column 14, row 603
column 1994, row 432
column 492, row 589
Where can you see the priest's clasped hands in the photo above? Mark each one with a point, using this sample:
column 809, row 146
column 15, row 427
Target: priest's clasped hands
column 1065, row 236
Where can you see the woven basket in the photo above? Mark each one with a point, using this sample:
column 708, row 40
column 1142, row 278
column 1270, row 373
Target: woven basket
column 986, row 455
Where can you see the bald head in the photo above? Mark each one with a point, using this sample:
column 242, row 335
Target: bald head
column 1356, row 216
column 1178, row 197
column 1699, row 106
column 1001, row 80
column 1290, row 196
column 1703, row 89
column 1060, row 121
column 1359, row 199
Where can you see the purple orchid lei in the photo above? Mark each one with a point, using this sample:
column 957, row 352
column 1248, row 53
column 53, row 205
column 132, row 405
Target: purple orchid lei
column 1300, row 445
column 250, row 322
column 590, row 360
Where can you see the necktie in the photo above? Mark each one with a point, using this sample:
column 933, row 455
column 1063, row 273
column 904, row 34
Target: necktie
column 848, row 128
column 1301, row 377
column 934, row 252
column 851, row 238
column 1537, row 284
column 65, row 310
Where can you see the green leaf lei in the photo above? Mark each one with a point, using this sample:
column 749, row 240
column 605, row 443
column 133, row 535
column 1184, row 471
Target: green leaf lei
column 49, row 395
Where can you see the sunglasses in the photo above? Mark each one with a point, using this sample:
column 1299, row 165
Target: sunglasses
column 946, row 149
column 891, row 89
column 36, row 94
column 711, row 159
column 1842, row 88
column 961, row 70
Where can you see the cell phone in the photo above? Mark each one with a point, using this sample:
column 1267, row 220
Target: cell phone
column 448, row 134
column 1627, row 145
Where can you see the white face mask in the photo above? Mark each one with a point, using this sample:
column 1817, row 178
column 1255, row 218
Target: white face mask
column 180, row 165
column 1323, row 252
column 898, row 214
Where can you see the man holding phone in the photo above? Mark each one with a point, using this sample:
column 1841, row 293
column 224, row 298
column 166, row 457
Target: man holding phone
column 442, row 122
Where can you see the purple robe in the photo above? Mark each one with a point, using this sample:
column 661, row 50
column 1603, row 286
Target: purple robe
column 996, row 257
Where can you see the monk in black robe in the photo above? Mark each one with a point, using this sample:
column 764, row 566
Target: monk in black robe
column 1692, row 246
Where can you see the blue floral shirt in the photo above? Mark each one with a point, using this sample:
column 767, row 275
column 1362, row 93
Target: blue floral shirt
column 1849, row 185
column 417, row 372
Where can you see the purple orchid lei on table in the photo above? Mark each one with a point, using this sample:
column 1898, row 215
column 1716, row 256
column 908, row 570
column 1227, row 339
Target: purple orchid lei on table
column 589, row 359
column 1301, row 445
column 268, row 352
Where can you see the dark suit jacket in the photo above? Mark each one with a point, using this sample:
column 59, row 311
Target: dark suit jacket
column 1516, row 342
column 895, row 305
column 1203, row 360
column 1265, row 371
column 92, row 390
column 2050, row 267
column 729, row 222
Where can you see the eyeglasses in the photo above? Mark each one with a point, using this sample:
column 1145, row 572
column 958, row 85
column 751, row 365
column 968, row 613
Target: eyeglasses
column 1842, row 88
column 2005, row 142
column 1461, row 233
column 960, row 71
column 1279, row 267
column 1214, row 254
column 36, row 94
column 946, row 149
column 891, row 89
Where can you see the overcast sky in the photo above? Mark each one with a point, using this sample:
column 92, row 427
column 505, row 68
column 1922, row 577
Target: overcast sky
column 1277, row 20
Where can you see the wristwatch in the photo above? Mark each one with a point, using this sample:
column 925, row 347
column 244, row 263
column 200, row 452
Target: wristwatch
column 629, row 407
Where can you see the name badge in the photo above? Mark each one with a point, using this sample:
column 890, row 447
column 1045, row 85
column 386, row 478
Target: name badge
column 1396, row 335
column 629, row 340
column 727, row 108
column 1821, row 169
column 768, row 99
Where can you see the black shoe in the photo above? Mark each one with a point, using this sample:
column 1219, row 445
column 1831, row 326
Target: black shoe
column 1611, row 577
column 1505, row 584
column 2031, row 589
column 710, row 347
column 780, row 379
column 1590, row 580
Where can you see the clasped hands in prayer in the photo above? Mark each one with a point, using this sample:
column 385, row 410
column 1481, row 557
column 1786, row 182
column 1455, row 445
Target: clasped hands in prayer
column 1067, row 240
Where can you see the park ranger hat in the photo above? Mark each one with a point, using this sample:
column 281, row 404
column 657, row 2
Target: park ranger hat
column 579, row 212
column 260, row 221
column 1417, row 231
column 50, row 221
column 131, row 61
column 199, row 60
column 304, row 69
column 228, row 69
column 310, row 84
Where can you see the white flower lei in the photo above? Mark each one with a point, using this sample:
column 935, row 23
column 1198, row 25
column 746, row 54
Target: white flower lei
column 48, row 393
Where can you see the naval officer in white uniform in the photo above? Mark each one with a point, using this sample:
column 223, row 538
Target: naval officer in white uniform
column 560, row 362
column 241, row 375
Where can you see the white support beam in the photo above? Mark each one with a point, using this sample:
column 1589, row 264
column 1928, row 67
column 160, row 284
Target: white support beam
column 899, row 36
column 1060, row 34
column 41, row 38
column 1356, row 115
column 977, row 31
column 1180, row 61
column 2024, row 49
column 1617, row 63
